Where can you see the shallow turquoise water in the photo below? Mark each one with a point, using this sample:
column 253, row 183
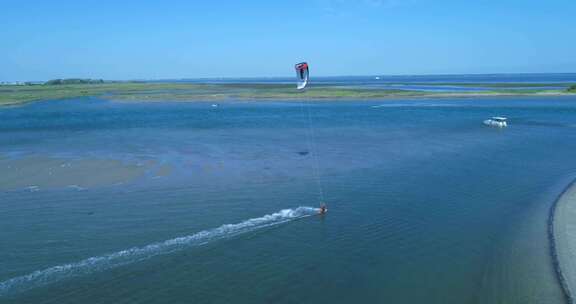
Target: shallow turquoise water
column 426, row 203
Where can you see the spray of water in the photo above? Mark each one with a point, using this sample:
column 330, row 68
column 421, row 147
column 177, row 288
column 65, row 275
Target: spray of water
column 132, row 255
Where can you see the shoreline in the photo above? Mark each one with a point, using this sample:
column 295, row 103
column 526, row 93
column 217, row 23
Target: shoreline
column 423, row 95
column 561, row 232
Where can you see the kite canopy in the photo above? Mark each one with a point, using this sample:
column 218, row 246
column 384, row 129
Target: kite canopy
column 302, row 74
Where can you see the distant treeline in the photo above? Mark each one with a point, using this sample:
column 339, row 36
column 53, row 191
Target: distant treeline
column 572, row 88
column 73, row 81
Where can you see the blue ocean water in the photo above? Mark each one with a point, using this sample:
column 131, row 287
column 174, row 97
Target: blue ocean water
column 426, row 203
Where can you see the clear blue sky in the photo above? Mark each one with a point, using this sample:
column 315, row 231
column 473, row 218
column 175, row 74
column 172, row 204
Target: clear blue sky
column 190, row 39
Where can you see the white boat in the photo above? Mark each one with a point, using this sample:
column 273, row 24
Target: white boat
column 496, row 121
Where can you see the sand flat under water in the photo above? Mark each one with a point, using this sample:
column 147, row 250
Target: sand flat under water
column 36, row 172
column 189, row 203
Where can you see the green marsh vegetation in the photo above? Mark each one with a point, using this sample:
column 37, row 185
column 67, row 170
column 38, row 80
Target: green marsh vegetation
column 146, row 91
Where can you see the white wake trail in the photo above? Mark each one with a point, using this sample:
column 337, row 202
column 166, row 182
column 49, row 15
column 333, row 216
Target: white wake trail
column 135, row 254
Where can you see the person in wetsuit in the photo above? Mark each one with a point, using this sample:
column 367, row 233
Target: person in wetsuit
column 323, row 209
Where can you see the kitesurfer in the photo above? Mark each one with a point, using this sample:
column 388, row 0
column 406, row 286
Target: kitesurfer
column 302, row 77
column 323, row 209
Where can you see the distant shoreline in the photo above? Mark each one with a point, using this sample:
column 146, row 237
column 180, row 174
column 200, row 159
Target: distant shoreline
column 196, row 92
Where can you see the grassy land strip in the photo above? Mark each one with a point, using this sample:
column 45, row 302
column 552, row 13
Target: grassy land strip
column 138, row 91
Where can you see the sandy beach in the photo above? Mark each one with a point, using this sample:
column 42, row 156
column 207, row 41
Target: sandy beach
column 563, row 243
